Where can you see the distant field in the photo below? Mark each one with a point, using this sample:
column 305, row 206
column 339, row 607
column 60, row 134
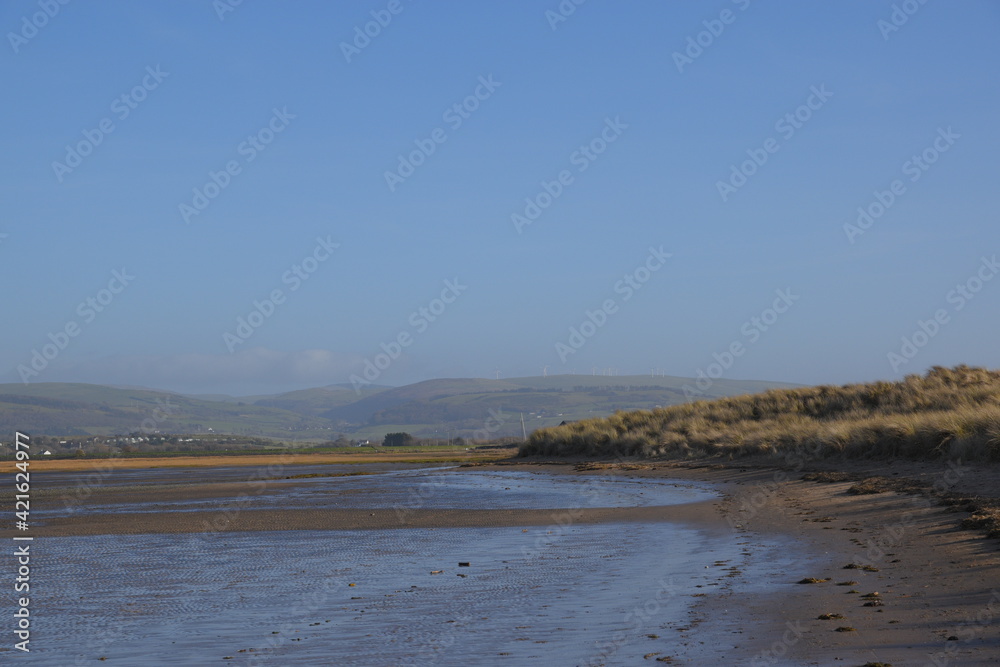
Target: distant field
column 405, row 455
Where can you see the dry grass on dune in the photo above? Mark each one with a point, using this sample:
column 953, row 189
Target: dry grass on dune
column 948, row 412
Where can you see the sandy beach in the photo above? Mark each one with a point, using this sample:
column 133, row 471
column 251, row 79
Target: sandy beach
column 898, row 581
column 933, row 588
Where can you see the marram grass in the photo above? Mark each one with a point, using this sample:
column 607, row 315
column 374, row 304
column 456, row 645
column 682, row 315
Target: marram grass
column 948, row 412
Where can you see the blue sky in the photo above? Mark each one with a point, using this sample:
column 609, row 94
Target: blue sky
column 658, row 134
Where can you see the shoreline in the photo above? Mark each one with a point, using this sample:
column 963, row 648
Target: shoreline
column 290, row 457
column 937, row 585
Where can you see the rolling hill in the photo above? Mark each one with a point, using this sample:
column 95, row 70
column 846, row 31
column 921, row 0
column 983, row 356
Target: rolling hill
column 466, row 407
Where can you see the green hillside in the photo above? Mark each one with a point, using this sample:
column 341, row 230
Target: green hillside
column 49, row 408
column 317, row 402
column 465, row 407
column 462, row 406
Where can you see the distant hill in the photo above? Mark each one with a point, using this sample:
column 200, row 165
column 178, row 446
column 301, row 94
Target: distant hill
column 318, row 402
column 444, row 407
column 53, row 408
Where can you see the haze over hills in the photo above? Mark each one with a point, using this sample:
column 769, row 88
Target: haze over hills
column 456, row 407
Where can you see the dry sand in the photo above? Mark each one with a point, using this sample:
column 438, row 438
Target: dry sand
column 938, row 586
column 363, row 455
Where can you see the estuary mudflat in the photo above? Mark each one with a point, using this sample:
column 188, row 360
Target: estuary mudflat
column 500, row 564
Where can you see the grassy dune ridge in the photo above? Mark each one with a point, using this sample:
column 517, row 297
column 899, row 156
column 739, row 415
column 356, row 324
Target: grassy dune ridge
column 946, row 413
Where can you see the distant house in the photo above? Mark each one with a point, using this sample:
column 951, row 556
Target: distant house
column 46, row 453
column 363, row 443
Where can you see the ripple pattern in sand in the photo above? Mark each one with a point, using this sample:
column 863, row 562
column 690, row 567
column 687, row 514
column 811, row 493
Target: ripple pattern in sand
column 285, row 598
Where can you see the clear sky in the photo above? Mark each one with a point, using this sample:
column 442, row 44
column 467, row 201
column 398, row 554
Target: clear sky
column 676, row 169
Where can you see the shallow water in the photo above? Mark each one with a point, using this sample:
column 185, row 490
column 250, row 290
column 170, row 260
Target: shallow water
column 431, row 488
column 575, row 595
column 154, row 599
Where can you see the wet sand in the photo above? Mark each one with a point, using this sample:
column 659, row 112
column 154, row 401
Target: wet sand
column 361, row 519
column 938, row 587
column 551, row 584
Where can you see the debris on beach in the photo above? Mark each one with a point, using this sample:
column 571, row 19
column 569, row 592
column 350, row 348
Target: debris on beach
column 868, row 486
